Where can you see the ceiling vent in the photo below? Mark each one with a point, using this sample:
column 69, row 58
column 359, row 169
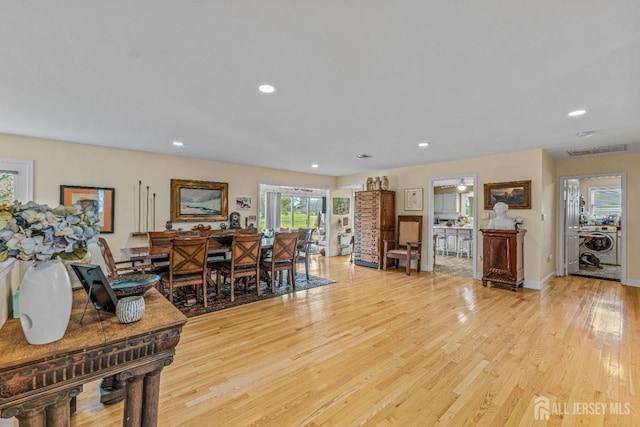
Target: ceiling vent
column 363, row 156
column 597, row 150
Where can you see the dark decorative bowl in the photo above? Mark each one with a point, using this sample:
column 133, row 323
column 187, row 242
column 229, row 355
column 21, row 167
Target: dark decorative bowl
column 133, row 284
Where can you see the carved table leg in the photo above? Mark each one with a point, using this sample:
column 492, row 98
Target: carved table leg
column 58, row 414
column 133, row 402
column 151, row 398
column 32, row 418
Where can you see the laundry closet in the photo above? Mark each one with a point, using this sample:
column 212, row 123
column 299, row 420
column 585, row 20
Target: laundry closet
column 600, row 227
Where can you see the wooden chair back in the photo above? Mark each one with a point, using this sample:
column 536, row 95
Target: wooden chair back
column 188, row 255
column 102, row 256
column 245, row 250
column 285, row 244
column 108, row 257
column 160, row 241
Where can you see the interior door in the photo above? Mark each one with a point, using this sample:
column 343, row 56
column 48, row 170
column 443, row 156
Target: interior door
column 572, row 225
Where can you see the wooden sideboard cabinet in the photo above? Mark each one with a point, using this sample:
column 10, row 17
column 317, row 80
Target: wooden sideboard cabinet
column 503, row 257
column 375, row 217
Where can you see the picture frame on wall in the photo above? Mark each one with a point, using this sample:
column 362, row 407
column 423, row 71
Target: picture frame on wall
column 413, row 199
column 99, row 199
column 243, row 202
column 199, row 201
column 341, row 205
column 516, row 194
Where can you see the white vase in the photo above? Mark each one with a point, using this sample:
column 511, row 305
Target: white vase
column 45, row 301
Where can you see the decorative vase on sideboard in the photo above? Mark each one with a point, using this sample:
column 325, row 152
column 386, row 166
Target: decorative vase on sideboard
column 45, row 301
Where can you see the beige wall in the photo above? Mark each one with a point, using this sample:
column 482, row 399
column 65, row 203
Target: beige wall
column 61, row 163
column 616, row 164
column 526, row 165
column 57, row 163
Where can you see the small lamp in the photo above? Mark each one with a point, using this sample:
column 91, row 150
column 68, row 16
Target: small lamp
column 462, row 185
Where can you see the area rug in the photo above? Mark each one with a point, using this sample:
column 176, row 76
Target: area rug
column 243, row 296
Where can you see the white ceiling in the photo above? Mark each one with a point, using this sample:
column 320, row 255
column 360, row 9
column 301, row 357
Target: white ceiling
column 371, row 76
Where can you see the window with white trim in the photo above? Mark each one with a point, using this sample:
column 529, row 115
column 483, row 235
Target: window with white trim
column 16, row 180
column 605, row 201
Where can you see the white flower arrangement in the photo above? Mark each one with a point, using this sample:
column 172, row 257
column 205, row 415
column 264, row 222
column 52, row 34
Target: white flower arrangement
column 31, row 231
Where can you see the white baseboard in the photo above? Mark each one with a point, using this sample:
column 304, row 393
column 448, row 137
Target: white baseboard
column 632, row 282
column 537, row 285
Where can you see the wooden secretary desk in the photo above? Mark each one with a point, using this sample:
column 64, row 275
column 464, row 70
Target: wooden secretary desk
column 503, row 257
column 374, row 222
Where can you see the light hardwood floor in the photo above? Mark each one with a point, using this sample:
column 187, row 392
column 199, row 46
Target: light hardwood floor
column 382, row 348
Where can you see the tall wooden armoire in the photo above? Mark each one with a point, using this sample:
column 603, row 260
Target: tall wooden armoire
column 503, row 257
column 374, row 221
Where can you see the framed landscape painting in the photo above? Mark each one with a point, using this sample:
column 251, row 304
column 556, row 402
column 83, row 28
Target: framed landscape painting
column 98, row 199
column 199, row 200
column 516, row 194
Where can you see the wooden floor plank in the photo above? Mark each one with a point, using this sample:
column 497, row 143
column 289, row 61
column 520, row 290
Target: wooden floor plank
column 382, row 348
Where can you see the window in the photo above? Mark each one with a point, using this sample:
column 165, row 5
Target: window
column 605, row 201
column 467, row 204
column 300, row 212
column 16, row 180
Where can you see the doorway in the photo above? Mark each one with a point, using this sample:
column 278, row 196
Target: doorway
column 452, row 229
column 593, row 231
column 284, row 206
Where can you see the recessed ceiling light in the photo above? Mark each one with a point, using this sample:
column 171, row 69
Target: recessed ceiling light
column 363, row 156
column 178, row 143
column 266, row 88
column 576, row 113
column 314, row 165
column 423, row 144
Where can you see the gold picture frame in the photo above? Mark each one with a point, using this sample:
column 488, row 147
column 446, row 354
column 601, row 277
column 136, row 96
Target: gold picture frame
column 516, row 194
column 199, row 201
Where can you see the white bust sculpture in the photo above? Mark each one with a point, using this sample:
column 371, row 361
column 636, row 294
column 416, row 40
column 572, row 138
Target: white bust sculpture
column 501, row 221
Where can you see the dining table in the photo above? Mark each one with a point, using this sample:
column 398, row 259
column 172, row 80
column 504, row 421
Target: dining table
column 219, row 246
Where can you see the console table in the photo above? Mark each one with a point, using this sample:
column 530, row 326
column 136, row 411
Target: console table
column 37, row 382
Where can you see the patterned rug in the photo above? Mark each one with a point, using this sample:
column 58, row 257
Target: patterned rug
column 243, row 296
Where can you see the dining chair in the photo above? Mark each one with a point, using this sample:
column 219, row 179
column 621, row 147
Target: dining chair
column 160, row 243
column 188, row 265
column 304, row 243
column 408, row 246
column 244, row 262
column 282, row 258
column 101, row 255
